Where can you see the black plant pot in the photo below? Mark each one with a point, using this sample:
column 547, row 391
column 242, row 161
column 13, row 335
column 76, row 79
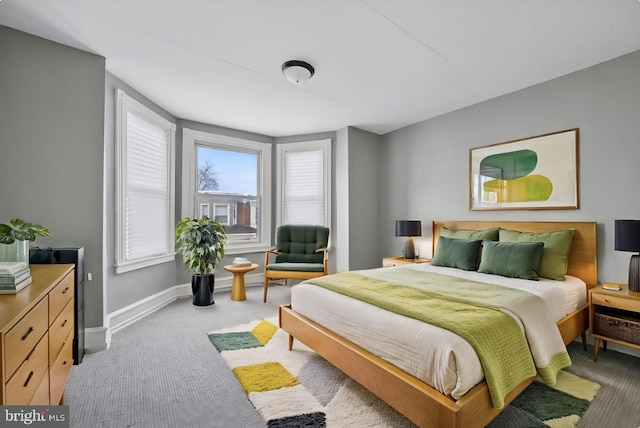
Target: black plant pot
column 202, row 287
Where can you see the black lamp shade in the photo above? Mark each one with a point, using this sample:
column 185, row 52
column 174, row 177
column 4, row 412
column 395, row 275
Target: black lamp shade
column 627, row 238
column 627, row 235
column 408, row 228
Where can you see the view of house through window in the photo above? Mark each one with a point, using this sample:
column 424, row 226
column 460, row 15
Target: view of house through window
column 227, row 190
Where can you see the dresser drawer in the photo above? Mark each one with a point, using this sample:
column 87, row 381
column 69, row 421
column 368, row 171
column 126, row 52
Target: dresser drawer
column 615, row 302
column 59, row 296
column 41, row 397
column 60, row 329
column 60, row 370
column 23, row 336
column 24, row 383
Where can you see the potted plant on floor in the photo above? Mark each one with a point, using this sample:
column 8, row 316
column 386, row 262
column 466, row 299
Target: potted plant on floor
column 201, row 243
column 15, row 236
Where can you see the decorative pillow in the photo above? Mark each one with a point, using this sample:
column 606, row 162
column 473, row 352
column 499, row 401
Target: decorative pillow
column 511, row 259
column 457, row 253
column 555, row 254
column 488, row 234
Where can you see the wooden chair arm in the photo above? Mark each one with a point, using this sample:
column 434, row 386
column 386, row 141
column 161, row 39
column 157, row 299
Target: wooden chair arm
column 325, row 258
column 268, row 251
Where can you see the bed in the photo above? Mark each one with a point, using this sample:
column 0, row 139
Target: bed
column 425, row 405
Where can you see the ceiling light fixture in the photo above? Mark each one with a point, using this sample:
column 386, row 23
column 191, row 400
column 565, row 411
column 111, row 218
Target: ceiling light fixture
column 297, row 71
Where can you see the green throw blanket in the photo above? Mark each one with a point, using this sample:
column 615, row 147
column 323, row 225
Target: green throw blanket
column 472, row 310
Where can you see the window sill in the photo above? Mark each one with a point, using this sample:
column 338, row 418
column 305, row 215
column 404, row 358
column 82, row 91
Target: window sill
column 139, row 264
column 246, row 249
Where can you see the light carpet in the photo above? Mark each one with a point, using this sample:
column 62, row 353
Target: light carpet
column 298, row 388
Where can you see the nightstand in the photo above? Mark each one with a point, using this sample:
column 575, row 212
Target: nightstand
column 400, row 260
column 614, row 316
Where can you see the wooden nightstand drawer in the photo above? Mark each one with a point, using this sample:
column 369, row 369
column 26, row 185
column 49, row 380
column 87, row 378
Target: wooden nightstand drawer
column 615, row 302
column 24, row 383
column 23, row 336
column 59, row 296
column 59, row 330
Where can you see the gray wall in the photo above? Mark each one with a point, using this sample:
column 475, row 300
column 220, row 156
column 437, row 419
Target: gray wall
column 364, row 177
column 52, row 146
column 355, row 213
column 425, row 166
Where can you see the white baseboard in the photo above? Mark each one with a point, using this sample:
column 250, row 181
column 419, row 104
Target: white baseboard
column 95, row 339
column 99, row 338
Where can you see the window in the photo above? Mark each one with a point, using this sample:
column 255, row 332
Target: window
column 304, row 177
column 144, row 188
column 232, row 176
column 222, row 215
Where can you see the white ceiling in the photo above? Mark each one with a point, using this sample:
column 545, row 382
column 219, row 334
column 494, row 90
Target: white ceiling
column 380, row 64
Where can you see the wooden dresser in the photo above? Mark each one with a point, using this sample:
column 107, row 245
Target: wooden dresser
column 36, row 337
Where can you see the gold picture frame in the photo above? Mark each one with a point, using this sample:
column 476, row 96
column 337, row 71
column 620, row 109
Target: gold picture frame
column 535, row 173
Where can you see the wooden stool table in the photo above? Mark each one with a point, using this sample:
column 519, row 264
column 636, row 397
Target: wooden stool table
column 237, row 290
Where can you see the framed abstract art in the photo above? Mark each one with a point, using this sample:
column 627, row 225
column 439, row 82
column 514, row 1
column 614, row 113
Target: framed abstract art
column 536, row 173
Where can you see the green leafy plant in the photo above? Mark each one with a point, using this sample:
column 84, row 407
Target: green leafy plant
column 201, row 243
column 19, row 230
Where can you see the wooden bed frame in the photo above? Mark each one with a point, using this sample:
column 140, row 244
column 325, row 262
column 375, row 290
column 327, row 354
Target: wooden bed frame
column 419, row 402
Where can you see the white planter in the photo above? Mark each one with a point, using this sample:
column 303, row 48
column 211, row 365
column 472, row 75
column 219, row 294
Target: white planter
column 16, row 252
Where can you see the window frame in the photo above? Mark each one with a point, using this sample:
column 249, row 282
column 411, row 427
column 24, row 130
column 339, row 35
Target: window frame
column 302, row 146
column 190, row 140
column 125, row 105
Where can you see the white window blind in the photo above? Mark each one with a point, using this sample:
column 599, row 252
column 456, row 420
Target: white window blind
column 147, row 198
column 145, row 187
column 304, row 182
column 303, row 190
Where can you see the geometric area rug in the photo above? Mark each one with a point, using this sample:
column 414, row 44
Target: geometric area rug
column 299, row 388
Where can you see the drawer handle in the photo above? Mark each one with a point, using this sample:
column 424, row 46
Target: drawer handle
column 65, row 290
column 30, row 353
column 64, row 323
column 27, row 333
column 28, row 379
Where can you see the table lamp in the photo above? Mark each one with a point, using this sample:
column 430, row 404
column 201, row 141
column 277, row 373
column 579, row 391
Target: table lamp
column 409, row 228
column 627, row 238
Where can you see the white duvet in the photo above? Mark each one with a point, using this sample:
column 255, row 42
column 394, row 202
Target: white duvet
column 436, row 356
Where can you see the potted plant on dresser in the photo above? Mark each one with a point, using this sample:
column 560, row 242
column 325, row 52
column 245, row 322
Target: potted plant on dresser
column 15, row 236
column 201, row 243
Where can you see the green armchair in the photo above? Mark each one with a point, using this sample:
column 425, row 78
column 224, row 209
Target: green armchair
column 301, row 252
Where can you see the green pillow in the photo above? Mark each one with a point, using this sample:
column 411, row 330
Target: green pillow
column 487, row 234
column 511, row 259
column 555, row 254
column 457, row 253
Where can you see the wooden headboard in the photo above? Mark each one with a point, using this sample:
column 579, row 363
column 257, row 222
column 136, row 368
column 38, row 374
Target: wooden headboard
column 583, row 257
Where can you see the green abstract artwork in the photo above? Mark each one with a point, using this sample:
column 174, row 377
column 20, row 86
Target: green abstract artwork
column 533, row 173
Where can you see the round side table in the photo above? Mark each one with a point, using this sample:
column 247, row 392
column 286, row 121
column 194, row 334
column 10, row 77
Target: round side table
column 237, row 290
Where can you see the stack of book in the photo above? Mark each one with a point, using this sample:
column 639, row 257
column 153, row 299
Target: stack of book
column 14, row 276
column 241, row 261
